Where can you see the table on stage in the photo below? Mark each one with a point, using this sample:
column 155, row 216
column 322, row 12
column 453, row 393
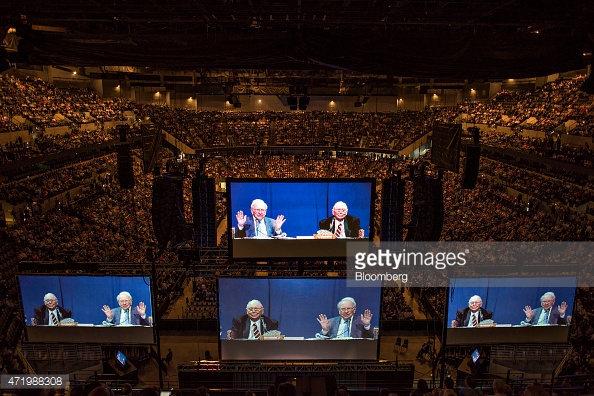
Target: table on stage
column 252, row 248
column 91, row 333
column 508, row 334
column 310, row 349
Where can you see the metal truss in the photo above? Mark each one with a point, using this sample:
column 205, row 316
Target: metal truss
column 204, row 254
column 206, row 267
column 53, row 267
column 296, row 367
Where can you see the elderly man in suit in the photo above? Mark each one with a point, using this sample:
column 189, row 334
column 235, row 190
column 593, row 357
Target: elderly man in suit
column 472, row 315
column 342, row 224
column 546, row 313
column 126, row 314
column 253, row 324
column 347, row 324
column 258, row 225
column 49, row 314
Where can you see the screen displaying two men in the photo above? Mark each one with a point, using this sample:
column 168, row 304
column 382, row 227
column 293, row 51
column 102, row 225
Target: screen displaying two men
column 85, row 307
column 304, row 316
column 296, row 212
column 510, row 309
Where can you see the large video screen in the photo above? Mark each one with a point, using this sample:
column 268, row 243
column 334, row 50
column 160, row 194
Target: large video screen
column 305, row 218
column 297, row 319
column 508, row 310
column 87, row 309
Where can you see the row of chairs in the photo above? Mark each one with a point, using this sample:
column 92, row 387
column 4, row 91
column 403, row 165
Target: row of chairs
column 400, row 346
column 198, row 315
column 199, row 308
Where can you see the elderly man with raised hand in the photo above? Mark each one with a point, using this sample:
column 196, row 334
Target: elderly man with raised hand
column 347, row 324
column 126, row 313
column 258, row 225
column 547, row 313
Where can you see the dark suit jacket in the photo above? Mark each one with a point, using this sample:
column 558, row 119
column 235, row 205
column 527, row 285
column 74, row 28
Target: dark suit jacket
column 352, row 225
column 554, row 317
column 357, row 328
column 463, row 316
column 42, row 317
column 136, row 318
column 249, row 228
column 240, row 325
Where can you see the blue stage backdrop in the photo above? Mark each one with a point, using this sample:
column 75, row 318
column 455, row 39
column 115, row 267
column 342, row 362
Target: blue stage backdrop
column 507, row 297
column 303, row 203
column 295, row 303
column 83, row 295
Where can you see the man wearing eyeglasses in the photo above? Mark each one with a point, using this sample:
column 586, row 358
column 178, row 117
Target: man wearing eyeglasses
column 126, row 313
column 258, row 225
column 473, row 315
column 347, row 324
column 49, row 314
column 342, row 224
column 547, row 313
column 253, row 324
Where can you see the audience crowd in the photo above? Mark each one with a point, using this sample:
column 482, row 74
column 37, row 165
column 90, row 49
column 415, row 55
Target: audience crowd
column 78, row 213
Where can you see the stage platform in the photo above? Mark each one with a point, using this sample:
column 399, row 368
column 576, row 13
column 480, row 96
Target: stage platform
column 259, row 375
column 312, row 392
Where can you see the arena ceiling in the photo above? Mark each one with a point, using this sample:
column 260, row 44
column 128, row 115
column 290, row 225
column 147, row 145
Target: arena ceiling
column 460, row 39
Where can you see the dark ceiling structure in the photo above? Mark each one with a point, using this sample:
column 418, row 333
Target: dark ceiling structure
column 457, row 40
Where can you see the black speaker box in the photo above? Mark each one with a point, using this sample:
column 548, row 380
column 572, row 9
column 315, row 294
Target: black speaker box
column 123, row 130
column 393, row 190
column 203, row 196
column 125, row 168
column 167, row 211
column 428, row 211
column 471, row 167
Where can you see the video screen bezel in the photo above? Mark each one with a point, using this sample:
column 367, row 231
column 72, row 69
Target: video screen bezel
column 517, row 333
column 84, row 330
column 297, row 248
column 271, row 350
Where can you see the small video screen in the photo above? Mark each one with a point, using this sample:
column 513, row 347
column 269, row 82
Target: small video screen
column 83, row 309
column 508, row 310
